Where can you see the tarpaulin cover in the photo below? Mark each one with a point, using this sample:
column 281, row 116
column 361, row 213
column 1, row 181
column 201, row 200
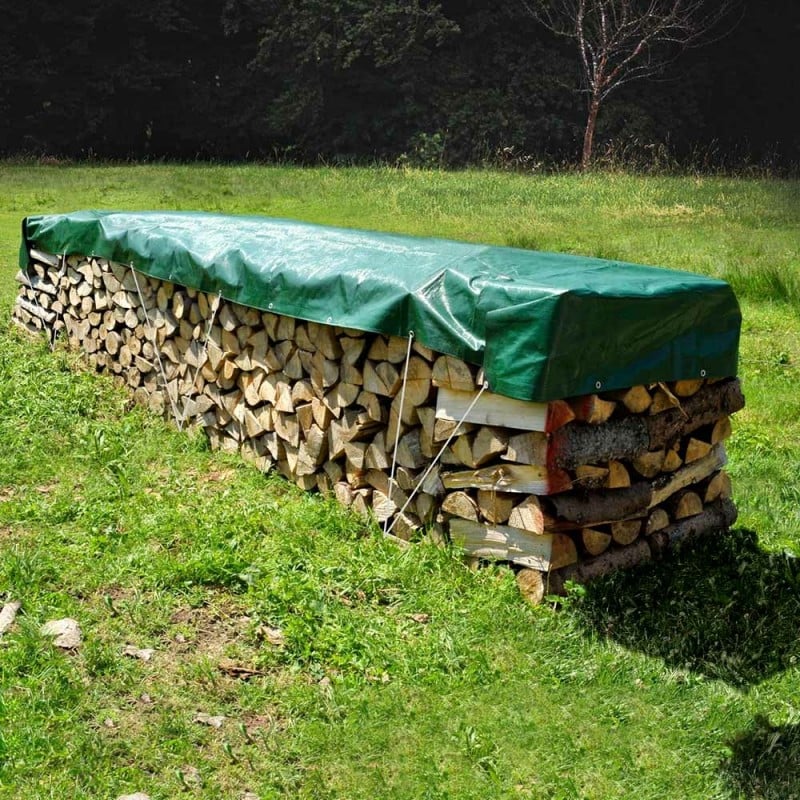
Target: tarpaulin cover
column 543, row 326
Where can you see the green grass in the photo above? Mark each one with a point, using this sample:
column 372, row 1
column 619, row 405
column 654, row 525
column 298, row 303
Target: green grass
column 680, row 679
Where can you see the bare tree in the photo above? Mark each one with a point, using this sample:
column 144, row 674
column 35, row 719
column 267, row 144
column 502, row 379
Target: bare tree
column 620, row 41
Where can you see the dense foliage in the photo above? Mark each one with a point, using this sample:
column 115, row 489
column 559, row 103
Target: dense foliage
column 421, row 81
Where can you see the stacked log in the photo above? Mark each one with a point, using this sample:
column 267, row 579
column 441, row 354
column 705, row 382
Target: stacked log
column 564, row 490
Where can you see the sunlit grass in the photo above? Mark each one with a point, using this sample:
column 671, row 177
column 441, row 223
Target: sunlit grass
column 376, row 672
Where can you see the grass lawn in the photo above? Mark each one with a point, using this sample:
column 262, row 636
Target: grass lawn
column 339, row 665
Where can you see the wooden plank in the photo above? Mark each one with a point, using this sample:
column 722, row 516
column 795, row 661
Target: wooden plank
column 539, row 551
column 501, row 411
column 518, row 478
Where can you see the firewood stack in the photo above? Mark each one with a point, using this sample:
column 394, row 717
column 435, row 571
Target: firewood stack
column 568, row 489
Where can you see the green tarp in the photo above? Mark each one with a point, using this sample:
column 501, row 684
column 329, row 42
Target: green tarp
column 544, row 326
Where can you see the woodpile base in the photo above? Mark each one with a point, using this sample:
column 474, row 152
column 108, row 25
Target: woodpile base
column 565, row 490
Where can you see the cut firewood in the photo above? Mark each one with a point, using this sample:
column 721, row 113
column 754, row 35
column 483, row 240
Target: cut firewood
column 696, row 449
column 718, row 487
column 622, row 558
column 718, row 516
column 658, row 520
column 649, row 464
column 538, row 551
column 523, row 479
column 672, row 461
column 722, row 430
column 595, row 541
column 452, row 373
column 504, row 412
column 531, row 584
column 489, row 443
column 592, row 409
column 687, row 388
column 688, row 504
column 618, row 475
column 527, row 448
column 460, row 504
column 663, row 399
column 381, row 378
column 527, row 516
column 572, row 445
column 591, row 477
column 636, row 399
column 495, row 507
column 626, row 531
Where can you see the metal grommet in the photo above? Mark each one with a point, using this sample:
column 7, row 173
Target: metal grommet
column 329, row 320
column 598, row 385
column 270, row 305
column 702, row 373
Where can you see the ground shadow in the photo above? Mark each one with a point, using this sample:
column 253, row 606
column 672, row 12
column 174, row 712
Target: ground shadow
column 721, row 606
column 764, row 762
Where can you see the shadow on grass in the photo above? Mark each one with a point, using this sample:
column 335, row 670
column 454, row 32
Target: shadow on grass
column 721, row 607
column 765, row 762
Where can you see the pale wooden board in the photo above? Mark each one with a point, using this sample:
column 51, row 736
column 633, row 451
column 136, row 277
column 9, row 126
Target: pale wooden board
column 491, row 409
column 518, row 478
column 503, row 543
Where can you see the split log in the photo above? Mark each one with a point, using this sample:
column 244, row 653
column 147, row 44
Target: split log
column 543, row 552
column 527, row 448
column 695, row 450
column 594, row 541
column 718, row 487
column 460, row 504
column 531, row 584
column 527, row 516
column 518, row 478
column 610, row 561
column 504, row 412
column 618, row 475
column 495, row 507
column 718, row 516
column 592, row 409
column 687, row 388
column 626, row 531
column 587, row 508
column 452, row 373
column 579, row 443
column 688, row 504
column 588, row 476
column 636, row 399
column 658, row 520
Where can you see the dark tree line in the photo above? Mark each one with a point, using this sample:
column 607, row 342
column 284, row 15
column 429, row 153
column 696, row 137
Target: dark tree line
column 448, row 82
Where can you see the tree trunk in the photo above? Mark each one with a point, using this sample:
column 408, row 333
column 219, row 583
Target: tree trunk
column 588, row 135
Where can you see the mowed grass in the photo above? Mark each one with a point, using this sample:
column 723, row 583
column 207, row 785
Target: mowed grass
column 343, row 666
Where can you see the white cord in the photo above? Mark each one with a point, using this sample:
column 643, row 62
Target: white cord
column 399, row 422
column 178, row 420
column 435, row 461
column 204, row 353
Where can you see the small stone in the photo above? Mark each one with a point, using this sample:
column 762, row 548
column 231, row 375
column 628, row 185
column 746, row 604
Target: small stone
column 273, row 635
column 66, row 633
column 143, row 654
column 190, row 776
column 7, row 616
column 109, row 723
column 207, row 719
column 250, row 796
column 134, row 796
column 422, row 619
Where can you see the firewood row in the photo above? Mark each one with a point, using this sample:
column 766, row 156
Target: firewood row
column 565, row 489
